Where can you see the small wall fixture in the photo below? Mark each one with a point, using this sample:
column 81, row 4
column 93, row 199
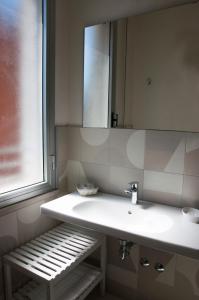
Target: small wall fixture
column 144, row 262
column 159, row 267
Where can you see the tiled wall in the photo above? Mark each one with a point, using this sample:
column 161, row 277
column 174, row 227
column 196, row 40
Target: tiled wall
column 166, row 164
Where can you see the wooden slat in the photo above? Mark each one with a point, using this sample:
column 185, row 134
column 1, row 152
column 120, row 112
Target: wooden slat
column 33, row 264
column 80, row 242
column 72, row 252
column 27, row 267
column 74, row 235
column 39, row 260
column 52, row 253
column 44, row 256
column 49, row 242
column 60, row 259
column 60, row 247
column 79, row 231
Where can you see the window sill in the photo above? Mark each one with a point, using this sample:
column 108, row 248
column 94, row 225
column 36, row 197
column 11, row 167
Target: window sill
column 41, row 198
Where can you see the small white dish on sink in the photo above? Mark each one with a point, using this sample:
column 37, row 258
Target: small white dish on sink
column 87, row 189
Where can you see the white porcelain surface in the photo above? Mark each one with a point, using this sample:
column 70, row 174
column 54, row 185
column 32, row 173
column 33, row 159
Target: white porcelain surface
column 122, row 215
column 150, row 224
column 191, row 214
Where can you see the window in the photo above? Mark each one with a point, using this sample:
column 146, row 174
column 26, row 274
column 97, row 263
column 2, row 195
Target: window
column 26, row 101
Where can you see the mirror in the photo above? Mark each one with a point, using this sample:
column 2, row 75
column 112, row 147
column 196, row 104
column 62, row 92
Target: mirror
column 96, row 76
column 148, row 77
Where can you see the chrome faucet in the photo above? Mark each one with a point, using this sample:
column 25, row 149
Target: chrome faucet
column 133, row 191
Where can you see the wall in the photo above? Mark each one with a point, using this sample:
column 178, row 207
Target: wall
column 165, row 163
column 154, row 48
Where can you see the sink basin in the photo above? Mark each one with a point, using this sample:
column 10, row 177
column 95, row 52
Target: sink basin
column 150, row 224
column 124, row 217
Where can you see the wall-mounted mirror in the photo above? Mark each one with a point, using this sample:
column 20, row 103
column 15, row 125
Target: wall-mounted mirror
column 96, row 76
column 146, row 75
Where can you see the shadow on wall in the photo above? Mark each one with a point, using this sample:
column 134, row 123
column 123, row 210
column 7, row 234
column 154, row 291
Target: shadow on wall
column 190, row 41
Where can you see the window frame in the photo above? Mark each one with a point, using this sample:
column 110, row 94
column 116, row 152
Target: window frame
column 48, row 102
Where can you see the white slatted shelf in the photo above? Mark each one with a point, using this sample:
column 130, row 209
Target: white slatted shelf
column 53, row 254
column 79, row 284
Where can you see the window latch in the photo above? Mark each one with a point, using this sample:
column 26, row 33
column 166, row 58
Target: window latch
column 52, row 162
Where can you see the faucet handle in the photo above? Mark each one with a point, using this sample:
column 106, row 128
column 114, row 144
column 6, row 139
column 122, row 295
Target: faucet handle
column 133, row 185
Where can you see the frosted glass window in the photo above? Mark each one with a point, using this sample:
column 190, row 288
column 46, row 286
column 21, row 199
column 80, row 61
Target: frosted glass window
column 21, row 106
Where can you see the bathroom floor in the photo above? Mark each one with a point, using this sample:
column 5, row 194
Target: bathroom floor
column 106, row 297
column 94, row 296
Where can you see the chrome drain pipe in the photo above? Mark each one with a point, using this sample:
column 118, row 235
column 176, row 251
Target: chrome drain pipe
column 125, row 248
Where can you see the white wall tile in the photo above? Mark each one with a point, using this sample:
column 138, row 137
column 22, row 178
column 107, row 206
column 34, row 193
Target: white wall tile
column 163, row 187
column 192, row 154
column 61, row 143
column 74, row 143
column 120, row 177
column 31, row 223
column 96, row 173
column 187, row 276
column 122, row 276
column 136, row 148
column 118, row 147
column 8, row 233
column 190, row 192
column 165, row 151
column 71, row 175
column 95, row 145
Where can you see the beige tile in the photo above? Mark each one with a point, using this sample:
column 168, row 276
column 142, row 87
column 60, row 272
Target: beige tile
column 95, row 145
column 121, row 291
column 165, row 151
column 163, row 187
column 122, row 276
column 156, row 256
column 61, row 175
column 153, row 285
column 120, row 177
column 8, row 241
column 187, row 278
column 31, row 223
column 95, row 173
column 118, row 147
column 135, row 148
column 1, row 282
column 8, row 233
column 192, row 154
column 61, row 143
column 71, row 175
column 190, row 192
column 95, row 296
column 74, row 143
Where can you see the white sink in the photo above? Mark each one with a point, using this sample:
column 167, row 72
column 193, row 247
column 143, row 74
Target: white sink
column 150, row 224
column 122, row 215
